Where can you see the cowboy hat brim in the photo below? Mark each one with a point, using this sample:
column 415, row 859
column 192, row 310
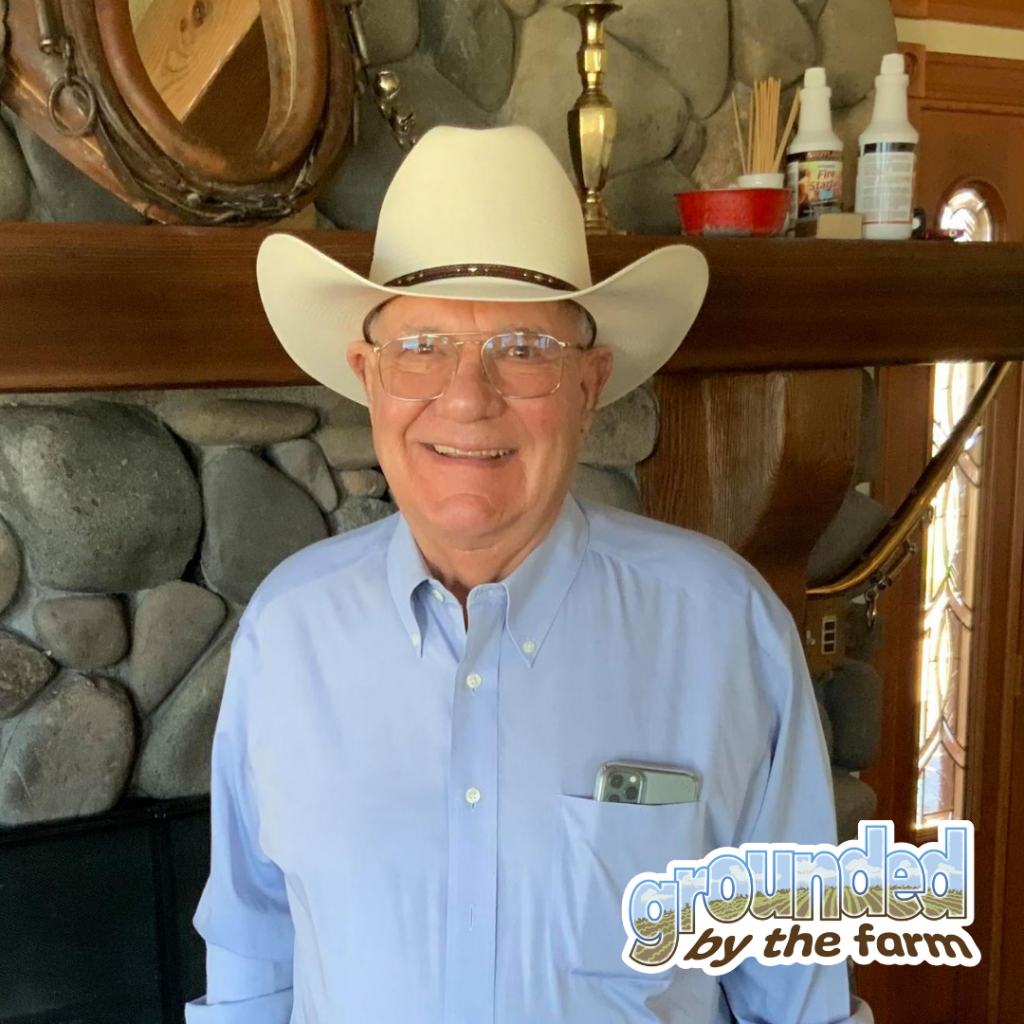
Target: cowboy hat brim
column 316, row 305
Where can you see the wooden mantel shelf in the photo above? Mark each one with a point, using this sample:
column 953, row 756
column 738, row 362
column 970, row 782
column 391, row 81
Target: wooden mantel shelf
column 96, row 306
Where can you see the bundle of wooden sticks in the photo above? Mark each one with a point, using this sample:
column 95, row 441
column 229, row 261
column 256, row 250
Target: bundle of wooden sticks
column 763, row 154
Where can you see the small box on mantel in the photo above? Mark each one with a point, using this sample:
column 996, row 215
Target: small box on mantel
column 840, row 225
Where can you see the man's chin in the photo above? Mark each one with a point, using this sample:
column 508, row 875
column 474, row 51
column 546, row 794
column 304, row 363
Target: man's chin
column 469, row 515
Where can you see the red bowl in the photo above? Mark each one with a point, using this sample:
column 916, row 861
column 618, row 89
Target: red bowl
column 743, row 212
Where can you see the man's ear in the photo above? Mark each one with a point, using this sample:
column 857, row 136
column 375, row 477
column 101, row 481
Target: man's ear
column 596, row 369
column 358, row 355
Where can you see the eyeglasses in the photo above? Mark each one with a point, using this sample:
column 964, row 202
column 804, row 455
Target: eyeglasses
column 518, row 364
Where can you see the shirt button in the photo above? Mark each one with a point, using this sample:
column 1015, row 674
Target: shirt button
column 415, row 638
column 529, row 647
column 473, row 680
column 472, row 795
column 439, row 595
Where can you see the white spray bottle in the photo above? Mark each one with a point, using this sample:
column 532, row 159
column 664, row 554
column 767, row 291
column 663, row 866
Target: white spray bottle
column 888, row 151
column 814, row 159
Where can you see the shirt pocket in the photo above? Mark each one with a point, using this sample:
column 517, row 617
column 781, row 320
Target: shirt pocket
column 600, row 847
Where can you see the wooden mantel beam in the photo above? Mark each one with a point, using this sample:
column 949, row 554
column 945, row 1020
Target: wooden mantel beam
column 97, row 306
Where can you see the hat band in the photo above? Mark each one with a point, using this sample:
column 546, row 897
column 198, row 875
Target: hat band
column 480, row 270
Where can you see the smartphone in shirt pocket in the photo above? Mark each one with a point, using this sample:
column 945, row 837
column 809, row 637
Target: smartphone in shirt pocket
column 603, row 843
column 641, row 782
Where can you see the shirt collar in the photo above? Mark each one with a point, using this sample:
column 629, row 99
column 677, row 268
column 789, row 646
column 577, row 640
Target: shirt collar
column 536, row 588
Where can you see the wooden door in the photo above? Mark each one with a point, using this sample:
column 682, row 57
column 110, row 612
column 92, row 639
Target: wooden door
column 970, row 112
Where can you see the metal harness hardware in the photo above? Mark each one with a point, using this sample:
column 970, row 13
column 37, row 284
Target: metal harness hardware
column 53, row 40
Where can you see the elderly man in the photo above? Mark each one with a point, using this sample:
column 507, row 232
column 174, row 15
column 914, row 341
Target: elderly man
column 403, row 822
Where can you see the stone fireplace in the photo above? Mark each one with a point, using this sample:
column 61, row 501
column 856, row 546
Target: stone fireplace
column 134, row 527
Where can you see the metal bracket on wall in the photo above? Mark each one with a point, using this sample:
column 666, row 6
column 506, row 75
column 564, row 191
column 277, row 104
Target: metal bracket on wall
column 384, row 84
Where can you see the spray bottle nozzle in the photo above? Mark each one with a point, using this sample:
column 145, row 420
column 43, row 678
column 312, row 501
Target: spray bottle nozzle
column 814, row 78
column 893, row 64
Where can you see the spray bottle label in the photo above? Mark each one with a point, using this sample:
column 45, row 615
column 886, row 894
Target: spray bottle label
column 815, row 180
column 885, row 182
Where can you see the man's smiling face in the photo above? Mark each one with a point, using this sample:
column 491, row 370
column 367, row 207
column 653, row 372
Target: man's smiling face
column 438, row 456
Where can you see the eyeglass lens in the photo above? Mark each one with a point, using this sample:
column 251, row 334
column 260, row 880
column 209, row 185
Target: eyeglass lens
column 518, row 365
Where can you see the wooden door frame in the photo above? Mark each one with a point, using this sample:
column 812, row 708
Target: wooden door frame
column 970, row 12
column 904, row 394
column 926, row 994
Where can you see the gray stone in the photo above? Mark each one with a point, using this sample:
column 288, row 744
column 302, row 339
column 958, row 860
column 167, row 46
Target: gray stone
column 238, row 422
column 688, row 40
column 652, row 113
column 173, row 624
column 770, row 38
column 643, row 200
column 323, row 222
column 177, row 743
column 67, row 755
column 855, row 801
column 853, row 697
column 82, row 632
column 66, row 193
column 24, row 671
column 858, row 522
column 362, row 483
column 355, row 512
column 854, row 36
column 304, row 462
column 520, row 8
column 99, row 494
column 10, row 566
column 811, row 9
column 15, row 193
column 869, row 443
column 608, row 486
column 255, row 518
column 624, row 432
column 348, row 447
column 345, row 413
column 472, row 42
column 720, row 163
column 353, row 197
column 848, row 125
column 691, row 146
column 391, row 29
column 826, row 727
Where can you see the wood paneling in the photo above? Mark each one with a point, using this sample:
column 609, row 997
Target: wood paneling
column 979, row 81
column 999, row 13
column 90, row 306
column 904, row 395
column 960, row 146
column 910, row 8
column 735, row 453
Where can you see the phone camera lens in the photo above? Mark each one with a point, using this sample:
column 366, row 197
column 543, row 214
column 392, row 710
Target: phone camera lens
column 616, row 780
column 615, row 799
column 632, row 792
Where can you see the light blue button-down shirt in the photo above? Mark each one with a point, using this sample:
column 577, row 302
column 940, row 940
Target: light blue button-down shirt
column 402, row 823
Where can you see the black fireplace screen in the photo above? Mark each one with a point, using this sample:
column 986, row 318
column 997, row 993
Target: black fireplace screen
column 96, row 915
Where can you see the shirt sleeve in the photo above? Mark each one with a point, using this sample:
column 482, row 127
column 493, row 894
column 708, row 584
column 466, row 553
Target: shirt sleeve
column 797, row 806
column 243, row 913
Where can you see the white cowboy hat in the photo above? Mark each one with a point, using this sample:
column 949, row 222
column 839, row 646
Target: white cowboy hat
column 482, row 214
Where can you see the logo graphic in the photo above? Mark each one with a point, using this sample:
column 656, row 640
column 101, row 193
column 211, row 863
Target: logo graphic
column 868, row 898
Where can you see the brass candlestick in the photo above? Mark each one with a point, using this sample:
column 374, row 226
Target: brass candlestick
column 592, row 119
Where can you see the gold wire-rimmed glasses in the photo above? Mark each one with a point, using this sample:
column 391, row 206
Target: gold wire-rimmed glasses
column 517, row 364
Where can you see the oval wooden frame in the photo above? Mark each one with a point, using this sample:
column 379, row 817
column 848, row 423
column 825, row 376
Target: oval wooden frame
column 138, row 151
column 296, row 35
column 152, row 154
